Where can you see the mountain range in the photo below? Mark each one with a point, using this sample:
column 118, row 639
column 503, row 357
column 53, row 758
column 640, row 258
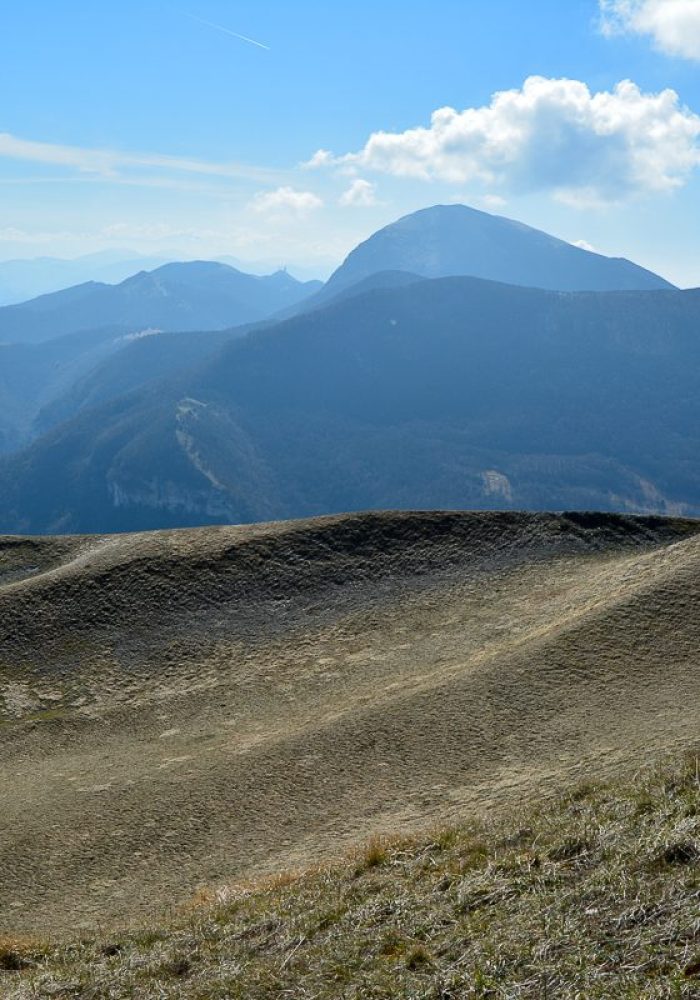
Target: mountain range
column 195, row 295
column 48, row 345
column 388, row 388
column 28, row 278
column 452, row 392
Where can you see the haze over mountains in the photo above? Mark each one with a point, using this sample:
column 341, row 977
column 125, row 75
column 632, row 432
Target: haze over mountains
column 32, row 375
column 196, row 295
column 387, row 389
column 27, row 278
column 49, row 344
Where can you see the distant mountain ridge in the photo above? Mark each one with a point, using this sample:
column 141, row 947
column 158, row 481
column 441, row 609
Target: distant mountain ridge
column 388, row 387
column 439, row 393
column 452, row 240
column 194, row 295
column 27, row 278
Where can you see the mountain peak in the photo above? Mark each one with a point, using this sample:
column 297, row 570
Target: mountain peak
column 450, row 240
column 200, row 268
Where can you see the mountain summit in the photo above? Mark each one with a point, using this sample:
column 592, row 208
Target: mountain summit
column 451, row 240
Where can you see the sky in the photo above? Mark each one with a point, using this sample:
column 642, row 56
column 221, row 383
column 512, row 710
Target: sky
column 288, row 132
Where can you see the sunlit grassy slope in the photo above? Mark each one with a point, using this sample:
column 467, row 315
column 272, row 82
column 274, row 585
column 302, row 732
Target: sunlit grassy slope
column 593, row 895
column 181, row 710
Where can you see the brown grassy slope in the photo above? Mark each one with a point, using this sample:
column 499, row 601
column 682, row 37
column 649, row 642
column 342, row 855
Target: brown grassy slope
column 596, row 896
column 187, row 708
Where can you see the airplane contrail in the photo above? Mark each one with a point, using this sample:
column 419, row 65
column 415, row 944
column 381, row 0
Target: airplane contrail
column 227, row 31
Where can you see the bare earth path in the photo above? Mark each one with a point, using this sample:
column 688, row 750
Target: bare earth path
column 181, row 709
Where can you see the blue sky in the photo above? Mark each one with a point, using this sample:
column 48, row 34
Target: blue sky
column 139, row 125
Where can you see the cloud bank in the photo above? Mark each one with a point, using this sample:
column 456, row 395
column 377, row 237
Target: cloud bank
column 673, row 25
column 551, row 134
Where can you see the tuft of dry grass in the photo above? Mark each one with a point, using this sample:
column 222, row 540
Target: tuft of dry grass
column 375, row 853
column 594, row 896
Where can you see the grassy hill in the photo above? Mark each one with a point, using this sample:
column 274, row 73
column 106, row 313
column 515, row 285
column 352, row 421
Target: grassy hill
column 190, row 708
column 595, row 894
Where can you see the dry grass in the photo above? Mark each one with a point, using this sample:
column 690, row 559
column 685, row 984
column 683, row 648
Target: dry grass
column 594, row 896
column 193, row 708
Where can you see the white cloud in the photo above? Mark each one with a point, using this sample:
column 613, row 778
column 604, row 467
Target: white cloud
column 360, row 193
column 285, row 201
column 321, row 158
column 674, row 25
column 585, row 245
column 552, row 135
column 107, row 163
